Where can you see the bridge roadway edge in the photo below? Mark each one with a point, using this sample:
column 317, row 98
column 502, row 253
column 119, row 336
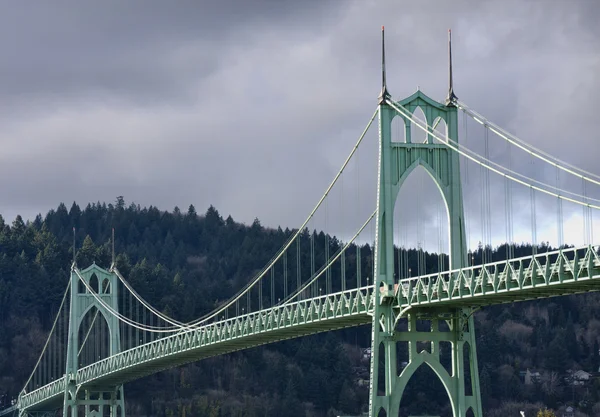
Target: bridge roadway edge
column 224, row 347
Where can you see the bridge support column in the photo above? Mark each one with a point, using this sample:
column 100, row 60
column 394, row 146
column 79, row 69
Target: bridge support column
column 94, row 402
column 451, row 328
column 443, row 340
column 98, row 400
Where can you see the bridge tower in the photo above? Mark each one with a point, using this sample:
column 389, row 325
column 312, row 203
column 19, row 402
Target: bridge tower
column 94, row 400
column 452, row 326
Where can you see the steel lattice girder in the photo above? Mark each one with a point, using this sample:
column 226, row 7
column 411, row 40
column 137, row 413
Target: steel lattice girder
column 548, row 274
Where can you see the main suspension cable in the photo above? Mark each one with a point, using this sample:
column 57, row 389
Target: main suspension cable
column 537, row 153
column 479, row 160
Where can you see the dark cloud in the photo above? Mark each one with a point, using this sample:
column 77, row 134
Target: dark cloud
column 253, row 106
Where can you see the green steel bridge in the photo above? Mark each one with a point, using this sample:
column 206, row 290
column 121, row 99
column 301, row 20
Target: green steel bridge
column 105, row 334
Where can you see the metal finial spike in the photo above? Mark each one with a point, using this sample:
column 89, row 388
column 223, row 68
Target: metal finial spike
column 384, row 93
column 451, row 96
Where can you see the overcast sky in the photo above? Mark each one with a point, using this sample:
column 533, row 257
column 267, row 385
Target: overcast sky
column 252, row 106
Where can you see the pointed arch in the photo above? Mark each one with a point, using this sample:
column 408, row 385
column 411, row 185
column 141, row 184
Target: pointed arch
column 93, row 337
column 417, row 135
column 409, row 371
column 94, row 283
column 467, row 369
column 105, row 286
column 381, row 369
column 430, row 170
column 420, row 222
column 440, row 127
column 398, row 129
column 81, row 289
column 470, row 412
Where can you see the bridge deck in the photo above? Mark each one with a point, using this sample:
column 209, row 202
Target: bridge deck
column 568, row 271
column 562, row 272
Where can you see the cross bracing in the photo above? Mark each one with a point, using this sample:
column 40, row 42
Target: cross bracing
column 107, row 334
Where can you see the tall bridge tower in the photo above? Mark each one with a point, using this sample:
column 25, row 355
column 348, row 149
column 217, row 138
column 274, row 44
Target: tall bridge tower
column 97, row 400
column 452, row 326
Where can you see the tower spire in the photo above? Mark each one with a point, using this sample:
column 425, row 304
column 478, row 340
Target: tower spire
column 384, row 93
column 451, row 96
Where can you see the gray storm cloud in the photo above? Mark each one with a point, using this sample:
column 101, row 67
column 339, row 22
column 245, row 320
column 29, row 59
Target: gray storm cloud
column 253, row 106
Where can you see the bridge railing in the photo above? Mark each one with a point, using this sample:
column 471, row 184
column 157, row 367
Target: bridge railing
column 541, row 270
column 48, row 391
column 340, row 305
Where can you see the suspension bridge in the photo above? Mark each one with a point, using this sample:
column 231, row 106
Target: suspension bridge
column 105, row 334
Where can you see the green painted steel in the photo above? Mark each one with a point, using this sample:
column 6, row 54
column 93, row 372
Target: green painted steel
column 438, row 298
column 397, row 160
column 82, row 301
column 561, row 272
column 443, row 302
column 310, row 316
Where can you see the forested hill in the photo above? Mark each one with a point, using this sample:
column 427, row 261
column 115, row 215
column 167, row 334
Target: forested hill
column 184, row 263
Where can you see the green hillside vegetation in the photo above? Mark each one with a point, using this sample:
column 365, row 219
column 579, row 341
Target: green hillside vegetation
column 184, row 264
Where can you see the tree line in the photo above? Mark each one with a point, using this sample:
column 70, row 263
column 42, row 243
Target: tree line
column 185, row 263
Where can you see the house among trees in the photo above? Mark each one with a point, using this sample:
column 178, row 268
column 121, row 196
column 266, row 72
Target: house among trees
column 531, row 377
column 577, row 377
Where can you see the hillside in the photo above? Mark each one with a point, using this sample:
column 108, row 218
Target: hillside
column 184, row 263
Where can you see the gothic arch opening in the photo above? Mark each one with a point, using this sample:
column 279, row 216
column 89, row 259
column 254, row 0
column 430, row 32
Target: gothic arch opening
column 398, row 129
column 105, row 286
column 418, row 135
column 440, row 128
column 93, row 338
column 81, row 289
column 421, row 230
column 467, row 365
column 381, row 370
column 425, row 395
column 94, row 284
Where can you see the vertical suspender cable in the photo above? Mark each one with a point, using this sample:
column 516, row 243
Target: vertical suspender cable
column 533, row 222
column 559, row 213
column 273, row 286
column 343, row 270
column 533, row 214
column 312, row 261
column 285, row 276
column 137, row 330
column 249, row 301
column 130, row 339
column 358, row 267
column 466, row 184
column 328, row 272
column 260, row 294
column 488, row 211
column 343, row 256
column 358, row 254
column 298, row 276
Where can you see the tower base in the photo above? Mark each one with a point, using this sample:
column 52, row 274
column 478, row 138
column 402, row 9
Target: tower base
column 94, row 402
column 443, row 339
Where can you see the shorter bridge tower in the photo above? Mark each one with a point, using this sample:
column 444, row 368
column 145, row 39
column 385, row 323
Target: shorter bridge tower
column 445, row 326
column 95, row 284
